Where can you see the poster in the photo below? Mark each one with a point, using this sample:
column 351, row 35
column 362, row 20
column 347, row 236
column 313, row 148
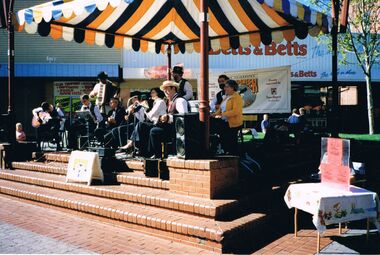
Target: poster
column 264, row 90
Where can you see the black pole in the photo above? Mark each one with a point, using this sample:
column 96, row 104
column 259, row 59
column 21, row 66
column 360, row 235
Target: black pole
column 335, row 85
column 169, row 68
column 11, row 54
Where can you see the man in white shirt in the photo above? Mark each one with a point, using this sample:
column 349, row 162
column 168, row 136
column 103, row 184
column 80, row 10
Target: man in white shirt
column 79, row 126
column 164, row 128
column 185, row 89
column 104, row 90
column 221, row 95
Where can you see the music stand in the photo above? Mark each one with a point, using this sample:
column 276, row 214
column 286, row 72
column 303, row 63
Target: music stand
column 87, row 117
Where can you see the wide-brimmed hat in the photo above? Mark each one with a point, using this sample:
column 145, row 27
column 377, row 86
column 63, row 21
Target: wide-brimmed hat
column 102, row 75
column 166, row 84
column 178, row 70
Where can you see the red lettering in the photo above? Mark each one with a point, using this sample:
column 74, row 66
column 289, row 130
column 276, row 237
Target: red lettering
column 226, row 52
column 270, row 49
column 258, row 51
column 289, row 49
column 281, row 50
column 295, row 49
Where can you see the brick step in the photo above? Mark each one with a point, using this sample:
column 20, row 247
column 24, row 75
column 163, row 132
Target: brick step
column 212, row 234
column 57, row 156
column 138, row 178
column 46, row 167
column 132, row 164
column 135, row 194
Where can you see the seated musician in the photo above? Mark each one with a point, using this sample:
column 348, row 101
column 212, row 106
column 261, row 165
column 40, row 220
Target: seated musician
column 134, row 113
column 164, row 128
column 46, row 122
column 140, row 135
column 79, row 126
column 115, row 118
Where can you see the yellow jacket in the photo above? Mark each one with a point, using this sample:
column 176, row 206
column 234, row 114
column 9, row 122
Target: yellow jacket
column 234, row 110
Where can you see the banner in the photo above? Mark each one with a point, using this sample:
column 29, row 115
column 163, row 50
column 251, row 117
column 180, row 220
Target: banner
column 264, row 90
column 72, row 88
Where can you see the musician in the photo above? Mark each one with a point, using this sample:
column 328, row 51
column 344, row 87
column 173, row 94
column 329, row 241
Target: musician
column 165, row 128
column 217, row 100
column 140, row 135
column 115, row 118
column 46, row 121
column 104, row 90
column 79, row 126
column 185, row 90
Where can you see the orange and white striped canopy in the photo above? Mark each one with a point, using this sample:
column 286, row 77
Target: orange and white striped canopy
column 151, row 25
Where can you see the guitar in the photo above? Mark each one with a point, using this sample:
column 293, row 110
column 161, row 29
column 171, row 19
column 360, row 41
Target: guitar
column 42, row 116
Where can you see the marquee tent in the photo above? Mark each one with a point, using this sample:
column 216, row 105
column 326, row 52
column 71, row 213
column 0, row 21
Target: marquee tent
column 150, row 25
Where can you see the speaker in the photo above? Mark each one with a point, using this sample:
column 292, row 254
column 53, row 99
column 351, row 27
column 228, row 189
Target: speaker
column 188, row 135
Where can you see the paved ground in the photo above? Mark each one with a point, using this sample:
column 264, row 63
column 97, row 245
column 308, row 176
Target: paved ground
column 28, row 228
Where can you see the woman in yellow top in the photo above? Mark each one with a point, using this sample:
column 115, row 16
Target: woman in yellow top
column 231, row 112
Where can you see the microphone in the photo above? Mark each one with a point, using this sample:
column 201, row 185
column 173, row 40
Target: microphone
column 243, row 90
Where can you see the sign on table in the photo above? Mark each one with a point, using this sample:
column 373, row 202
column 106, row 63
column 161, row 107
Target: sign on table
column 84, row 167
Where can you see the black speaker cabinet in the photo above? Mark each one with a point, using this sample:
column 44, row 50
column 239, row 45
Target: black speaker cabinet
column 188, row 135
column 151, row 167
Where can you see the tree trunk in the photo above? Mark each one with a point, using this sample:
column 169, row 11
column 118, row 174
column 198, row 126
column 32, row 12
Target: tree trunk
column 371, row 123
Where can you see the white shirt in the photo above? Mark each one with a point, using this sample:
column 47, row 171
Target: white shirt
column 98, row 115
column 44, row 118
column 159, row 108
column 95, row 92
column 214, row 101
column 188, row 89
column 180, row 106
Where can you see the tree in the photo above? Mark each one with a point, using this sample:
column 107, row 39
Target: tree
column 363, row 39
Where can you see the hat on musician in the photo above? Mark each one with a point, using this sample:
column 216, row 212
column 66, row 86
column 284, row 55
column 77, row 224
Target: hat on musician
column 102, row 75
column 166, row 84
column 178, row 70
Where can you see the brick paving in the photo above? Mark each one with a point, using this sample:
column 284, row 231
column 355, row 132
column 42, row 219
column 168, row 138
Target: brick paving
column 30, row 228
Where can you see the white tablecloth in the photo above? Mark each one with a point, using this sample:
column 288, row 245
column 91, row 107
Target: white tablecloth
column 330, row 205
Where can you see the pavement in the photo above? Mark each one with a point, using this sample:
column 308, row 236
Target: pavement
column 31, row 229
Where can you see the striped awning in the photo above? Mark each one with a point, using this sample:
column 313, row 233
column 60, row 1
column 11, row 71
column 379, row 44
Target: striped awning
column 151, row 25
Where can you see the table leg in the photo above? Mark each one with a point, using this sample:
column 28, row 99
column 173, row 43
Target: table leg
column 295, row 222
column 318, row 242
column 367, row 237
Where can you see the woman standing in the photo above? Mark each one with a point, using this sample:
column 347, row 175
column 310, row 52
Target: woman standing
column 231, row 114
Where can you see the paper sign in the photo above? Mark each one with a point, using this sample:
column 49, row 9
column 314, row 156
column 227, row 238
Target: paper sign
column 84, row 167
column 335, row 169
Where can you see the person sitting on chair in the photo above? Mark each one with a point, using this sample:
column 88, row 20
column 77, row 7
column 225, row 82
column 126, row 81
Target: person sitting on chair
column 115, row 118
column 46, row 123
column 231, row 114
column 164, row 127
column 20, row 134
column 140, row 134
column 185, row 89
column 79, row 126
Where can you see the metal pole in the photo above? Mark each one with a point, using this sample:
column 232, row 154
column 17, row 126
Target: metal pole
column 11, row 54
column 335, row 85
column 204, row 110
column 169, row 54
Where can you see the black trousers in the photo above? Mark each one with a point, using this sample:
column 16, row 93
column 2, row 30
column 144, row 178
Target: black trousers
column 158, row 135
column 48, row 132
column 228, row 136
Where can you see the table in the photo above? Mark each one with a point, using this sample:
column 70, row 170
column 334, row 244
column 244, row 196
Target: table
column 330, row 205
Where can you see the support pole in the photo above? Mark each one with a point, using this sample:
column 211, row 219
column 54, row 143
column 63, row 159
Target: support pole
column 169, row 70
column 11, row 53
column 318, row 242
column 335, row 97
column 204, row 109
column 295, row 222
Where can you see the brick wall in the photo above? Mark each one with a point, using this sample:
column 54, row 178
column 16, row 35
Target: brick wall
column 203, row 178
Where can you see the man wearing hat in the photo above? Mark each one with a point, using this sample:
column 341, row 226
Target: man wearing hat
column 104, row 90
column 164, row 128
column 185, row 89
